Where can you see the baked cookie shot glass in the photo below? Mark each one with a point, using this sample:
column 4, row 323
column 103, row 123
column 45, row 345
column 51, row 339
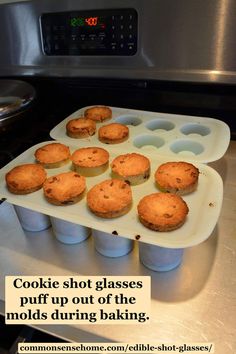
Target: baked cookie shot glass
column 65, row 188
column 32, row 220
column 114, row 133
column 80, row 128
column 177, row 177
column 25, row 178
column 111, row 245
column 110, row 198
column 98, row 113
column 90, row 161
column 68, row 232
column 133, row 168
column 53, row 155
column 159, row 259
column 162, row 211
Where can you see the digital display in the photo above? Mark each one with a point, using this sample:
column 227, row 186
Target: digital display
column 94, row 21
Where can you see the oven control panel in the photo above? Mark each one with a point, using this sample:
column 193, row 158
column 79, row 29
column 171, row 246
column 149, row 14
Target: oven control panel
column 92, row 32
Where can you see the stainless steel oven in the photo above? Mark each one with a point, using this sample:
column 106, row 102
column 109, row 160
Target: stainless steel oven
column 161, row 56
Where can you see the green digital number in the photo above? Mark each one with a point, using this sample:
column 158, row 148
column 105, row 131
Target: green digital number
column 73, row 22
column 77, row 22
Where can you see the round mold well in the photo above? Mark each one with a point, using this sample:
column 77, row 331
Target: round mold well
column 187, row 147
column 160, row 124
column 193, row 128
column 147, row 141
column 129, row 120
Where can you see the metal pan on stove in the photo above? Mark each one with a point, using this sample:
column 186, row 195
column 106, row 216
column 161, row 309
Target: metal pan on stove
column 16, row 97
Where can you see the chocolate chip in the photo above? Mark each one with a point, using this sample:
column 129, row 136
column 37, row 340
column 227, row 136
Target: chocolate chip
column 167, row 216
column 114, row 233
column 67, row 202
column 137, row 237
column 193, row 174
column 54, row 179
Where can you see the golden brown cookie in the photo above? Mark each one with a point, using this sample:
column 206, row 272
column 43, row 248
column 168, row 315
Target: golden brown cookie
column 98, row 113
column 113, row 133
column 26, row 178
column 52, row 155
column 133, row 168
column 65, row 188
column 80, row 128
column 162, row 211
column 90, row 161
column 110, row 198
column 177, row 177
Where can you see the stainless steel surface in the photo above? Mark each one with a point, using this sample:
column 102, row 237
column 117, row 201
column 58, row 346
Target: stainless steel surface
column 15, row 97
column 193, row 303
column 185, row 40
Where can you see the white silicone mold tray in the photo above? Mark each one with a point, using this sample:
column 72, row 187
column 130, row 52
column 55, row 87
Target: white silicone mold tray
column 174, row 136
column 204, row 205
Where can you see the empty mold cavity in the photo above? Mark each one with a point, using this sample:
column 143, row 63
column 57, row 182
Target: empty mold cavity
column 187, row 147
column 195, row 129
column 147, row 141
column 129, row 120
column 160, row 124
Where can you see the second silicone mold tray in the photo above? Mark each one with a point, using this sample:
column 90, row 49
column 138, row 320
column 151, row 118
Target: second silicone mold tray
column 174, row 136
